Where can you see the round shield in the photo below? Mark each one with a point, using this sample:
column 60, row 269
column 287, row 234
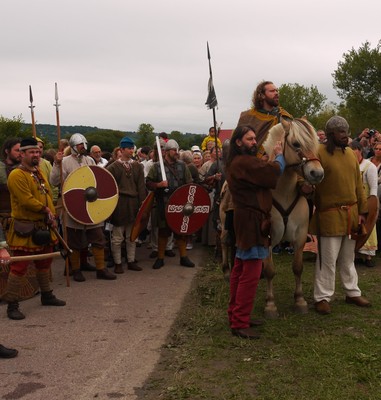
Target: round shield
column 187, row 209
column 90, row 194
column 142, row 218
column 370, row 222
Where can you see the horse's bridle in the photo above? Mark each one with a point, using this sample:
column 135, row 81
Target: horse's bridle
column 304, row 160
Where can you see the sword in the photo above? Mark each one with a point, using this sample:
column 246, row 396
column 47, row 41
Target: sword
column 161, row 162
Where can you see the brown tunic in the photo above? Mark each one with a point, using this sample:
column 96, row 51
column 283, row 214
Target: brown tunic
column 250, row 180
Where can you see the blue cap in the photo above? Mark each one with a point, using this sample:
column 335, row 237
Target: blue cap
column 126, row 142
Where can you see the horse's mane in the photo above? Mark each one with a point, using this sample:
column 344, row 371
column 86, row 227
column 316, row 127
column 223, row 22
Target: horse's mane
column 300, row 130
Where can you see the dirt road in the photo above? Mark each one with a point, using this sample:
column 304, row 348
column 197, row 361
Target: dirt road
column 104, row 343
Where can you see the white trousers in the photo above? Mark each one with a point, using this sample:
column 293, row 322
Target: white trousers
column 337, row 251
column 118, row 236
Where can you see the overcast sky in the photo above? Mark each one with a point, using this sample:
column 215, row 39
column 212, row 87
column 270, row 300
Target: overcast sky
column 120, row 63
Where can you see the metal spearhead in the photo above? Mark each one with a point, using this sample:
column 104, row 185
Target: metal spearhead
column 56, row 97
column 31, row 97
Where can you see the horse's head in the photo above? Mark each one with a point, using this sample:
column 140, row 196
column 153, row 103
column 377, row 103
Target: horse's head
column 300, row 147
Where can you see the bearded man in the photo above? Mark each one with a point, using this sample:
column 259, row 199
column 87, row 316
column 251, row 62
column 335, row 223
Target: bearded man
column 250, row 181
column 177, row 174
column 32, row 210
column 265, row 111
column 341, row 205
column 11, row 158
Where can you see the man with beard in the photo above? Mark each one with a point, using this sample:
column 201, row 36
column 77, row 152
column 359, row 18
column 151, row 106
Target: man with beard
column 11, row 158
column 250, row 181
column 80, row 236
column 32, row 210
column 341, row 205
column 177, row 174
column 265, row 111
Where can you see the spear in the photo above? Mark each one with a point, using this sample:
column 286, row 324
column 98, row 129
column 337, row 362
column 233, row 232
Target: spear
column 63, row 214
column 212, row 103
column 32, row 111
column 56, row 105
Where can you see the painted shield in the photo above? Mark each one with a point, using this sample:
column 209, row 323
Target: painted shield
column 90, row 194
column 142, row 218
column 371, row 219
column 187, row 209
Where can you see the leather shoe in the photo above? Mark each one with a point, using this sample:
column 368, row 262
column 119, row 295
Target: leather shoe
column 246, row 333
column 153, row 254
column 13, row 311
column 132, row 266
column 256, row 322
column 48, row 299
column 87, row 267
column 118, row 269
column 170, row 253
column 7, row 353
column 78, row 276
column 105, row 274
column 358, row 301
column 186, row 262
column 323, row 307
column 158, row 263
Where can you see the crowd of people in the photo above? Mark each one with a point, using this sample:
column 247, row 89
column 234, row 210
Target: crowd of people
column 32, row 214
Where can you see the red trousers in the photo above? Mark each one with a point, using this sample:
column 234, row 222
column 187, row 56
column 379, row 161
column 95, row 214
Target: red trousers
column 19, row 268
column 244, row 280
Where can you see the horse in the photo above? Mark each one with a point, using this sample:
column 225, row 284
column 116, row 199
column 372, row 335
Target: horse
column 290, row 210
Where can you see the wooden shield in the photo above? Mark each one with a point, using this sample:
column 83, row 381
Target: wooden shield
column 187, row 209
column 142, row 218
column 373, row 205
column 90, row 194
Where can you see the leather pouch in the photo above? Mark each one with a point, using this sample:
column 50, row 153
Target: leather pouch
column 23, row 228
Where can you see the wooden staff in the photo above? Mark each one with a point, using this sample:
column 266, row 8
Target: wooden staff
column 33, row 257
column 63, row 214
column 32, row 111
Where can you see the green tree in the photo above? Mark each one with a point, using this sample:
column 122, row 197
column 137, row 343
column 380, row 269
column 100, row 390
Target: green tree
column 12, row 127
column 107, row 140
column 301, row 101
column 146, row 136
column 357, row 80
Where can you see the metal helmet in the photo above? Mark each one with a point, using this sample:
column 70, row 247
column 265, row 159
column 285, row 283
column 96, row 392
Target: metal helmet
column 76, row 139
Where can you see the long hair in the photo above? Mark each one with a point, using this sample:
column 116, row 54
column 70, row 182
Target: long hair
column 234, row 149
column 257, row 100
column 7, row 147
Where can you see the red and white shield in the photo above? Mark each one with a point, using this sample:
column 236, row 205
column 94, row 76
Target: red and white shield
column 187, row 209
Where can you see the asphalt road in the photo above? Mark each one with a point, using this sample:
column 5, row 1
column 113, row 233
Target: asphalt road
column 104, row 343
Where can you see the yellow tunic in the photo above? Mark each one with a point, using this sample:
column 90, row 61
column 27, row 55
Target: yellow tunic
column 340, row 197
column 29, row 194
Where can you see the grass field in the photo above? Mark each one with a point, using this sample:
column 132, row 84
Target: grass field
column 332, row 357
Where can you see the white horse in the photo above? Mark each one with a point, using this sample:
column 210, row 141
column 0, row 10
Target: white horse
column 290, row 211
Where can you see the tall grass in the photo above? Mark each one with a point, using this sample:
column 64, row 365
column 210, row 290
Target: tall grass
column 337, row 356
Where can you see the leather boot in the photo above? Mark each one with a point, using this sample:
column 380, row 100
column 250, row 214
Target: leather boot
column 105, row 274
column 78, row 276
column 7, row 353
column 133, row 266
column 118, row 269
column 48, row 299
column 186, row 262
column 13, row 311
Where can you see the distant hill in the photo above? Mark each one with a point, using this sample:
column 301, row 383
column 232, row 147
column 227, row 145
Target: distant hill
column 49, row 132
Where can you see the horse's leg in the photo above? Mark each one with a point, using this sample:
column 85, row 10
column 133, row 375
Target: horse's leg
column 271, row 310
column 300, row 303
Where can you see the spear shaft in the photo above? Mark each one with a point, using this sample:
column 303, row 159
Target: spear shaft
column 213, row 103
column 63, row 213
column 32, row 112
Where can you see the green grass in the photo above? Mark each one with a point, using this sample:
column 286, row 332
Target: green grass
column 310, row 356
